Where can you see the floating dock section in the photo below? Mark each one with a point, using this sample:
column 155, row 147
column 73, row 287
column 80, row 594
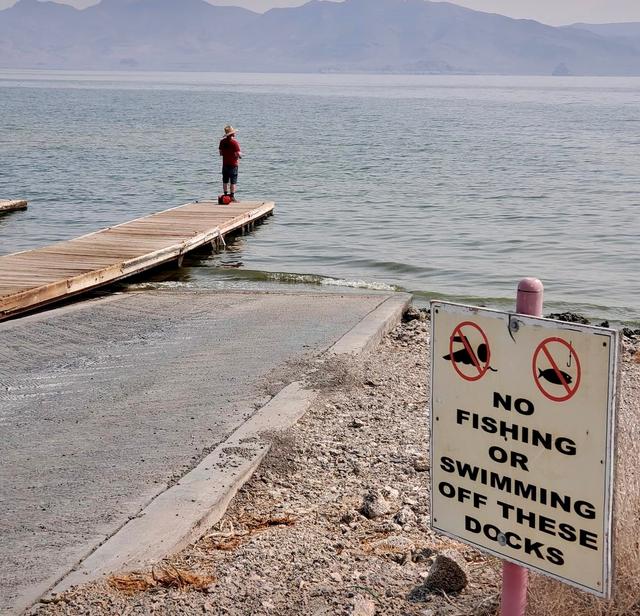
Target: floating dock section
column 32, row 278
column 10, row 206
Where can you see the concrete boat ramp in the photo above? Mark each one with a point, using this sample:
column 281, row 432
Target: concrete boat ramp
column 129, row 421
column 106, row 404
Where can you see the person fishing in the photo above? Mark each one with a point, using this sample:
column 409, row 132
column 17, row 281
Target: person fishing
column 231, row 154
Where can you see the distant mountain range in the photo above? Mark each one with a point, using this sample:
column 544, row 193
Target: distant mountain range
column 400, row 36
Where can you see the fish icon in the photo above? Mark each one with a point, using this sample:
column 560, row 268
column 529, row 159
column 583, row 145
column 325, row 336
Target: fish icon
column 554, row 377
column 462, row 356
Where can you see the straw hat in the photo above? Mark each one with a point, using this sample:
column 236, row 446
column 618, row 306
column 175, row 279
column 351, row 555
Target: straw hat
column 229, row 131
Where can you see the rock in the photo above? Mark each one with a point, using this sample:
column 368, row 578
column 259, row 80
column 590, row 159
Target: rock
column 322, row 590
column 424, row 523
column 393, row 543
column 363, row 607
column 422, row 555
column 411, row 314
column 569, row 317
column 317, row 606
column 447, row 574
column 348, row 517
column 630, row 333
column 404, row 516
column 356, row 423
column 374, row 505
column 401, row 559
column 396, row 547
column 421, row 464
column 390, row 492
column 489, row 607
column 417, row 329
column 389, row 527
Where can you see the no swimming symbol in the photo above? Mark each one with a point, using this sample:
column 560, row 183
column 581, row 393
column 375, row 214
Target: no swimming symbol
column 469, row 351
column 556, row 369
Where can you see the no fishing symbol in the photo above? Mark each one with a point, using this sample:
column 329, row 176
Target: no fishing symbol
column 556, row 369
column 469, row 351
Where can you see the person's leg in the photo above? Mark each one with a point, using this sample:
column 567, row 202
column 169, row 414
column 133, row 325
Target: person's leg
column 225, row 178
column 234, row 182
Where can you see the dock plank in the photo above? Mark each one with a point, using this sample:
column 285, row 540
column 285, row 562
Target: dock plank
column 31, row 278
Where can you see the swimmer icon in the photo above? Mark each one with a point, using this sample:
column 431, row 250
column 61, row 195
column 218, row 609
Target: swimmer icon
column 468, row 346
column 466, row 354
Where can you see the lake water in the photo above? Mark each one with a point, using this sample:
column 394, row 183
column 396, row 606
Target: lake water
column 442, row 186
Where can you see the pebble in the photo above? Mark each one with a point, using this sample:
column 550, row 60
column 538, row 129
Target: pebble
column 411, row 314
column 404, row 516
column 363, row 607
column 391, row 493
column 448, row 574
column 374, row 505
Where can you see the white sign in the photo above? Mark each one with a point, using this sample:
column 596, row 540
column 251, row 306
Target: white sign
column 522, row 424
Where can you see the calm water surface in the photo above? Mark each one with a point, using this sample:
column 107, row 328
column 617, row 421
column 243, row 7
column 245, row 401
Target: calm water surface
column 443, row 186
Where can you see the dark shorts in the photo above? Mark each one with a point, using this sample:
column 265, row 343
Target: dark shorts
column 230, row 174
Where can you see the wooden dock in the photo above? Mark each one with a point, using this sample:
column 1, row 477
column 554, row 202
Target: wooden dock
column 10, row 206
column 35, row 277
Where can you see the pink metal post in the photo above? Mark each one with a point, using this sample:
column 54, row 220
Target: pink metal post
column 530, row 297
column 514, row 590
column 515, row 578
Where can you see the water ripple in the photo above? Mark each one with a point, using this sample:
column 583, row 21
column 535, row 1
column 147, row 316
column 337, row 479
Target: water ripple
column 455, row 186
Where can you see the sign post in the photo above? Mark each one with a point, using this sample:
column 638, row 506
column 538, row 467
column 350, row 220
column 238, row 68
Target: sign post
column 522, row 423
column 515, row 579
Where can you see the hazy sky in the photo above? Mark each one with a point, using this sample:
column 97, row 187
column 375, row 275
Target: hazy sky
column 554, row 12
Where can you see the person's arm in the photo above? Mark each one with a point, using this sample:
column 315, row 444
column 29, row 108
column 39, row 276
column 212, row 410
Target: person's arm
column 238, row 150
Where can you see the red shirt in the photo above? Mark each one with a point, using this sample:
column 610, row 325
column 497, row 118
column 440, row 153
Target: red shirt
column 230, row 151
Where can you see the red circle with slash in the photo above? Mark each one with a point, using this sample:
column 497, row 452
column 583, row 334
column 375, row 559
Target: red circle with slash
column 545, row 348
column 477, row 366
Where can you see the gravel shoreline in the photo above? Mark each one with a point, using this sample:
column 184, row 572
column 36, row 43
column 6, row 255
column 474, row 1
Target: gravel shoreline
column 335, row 521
